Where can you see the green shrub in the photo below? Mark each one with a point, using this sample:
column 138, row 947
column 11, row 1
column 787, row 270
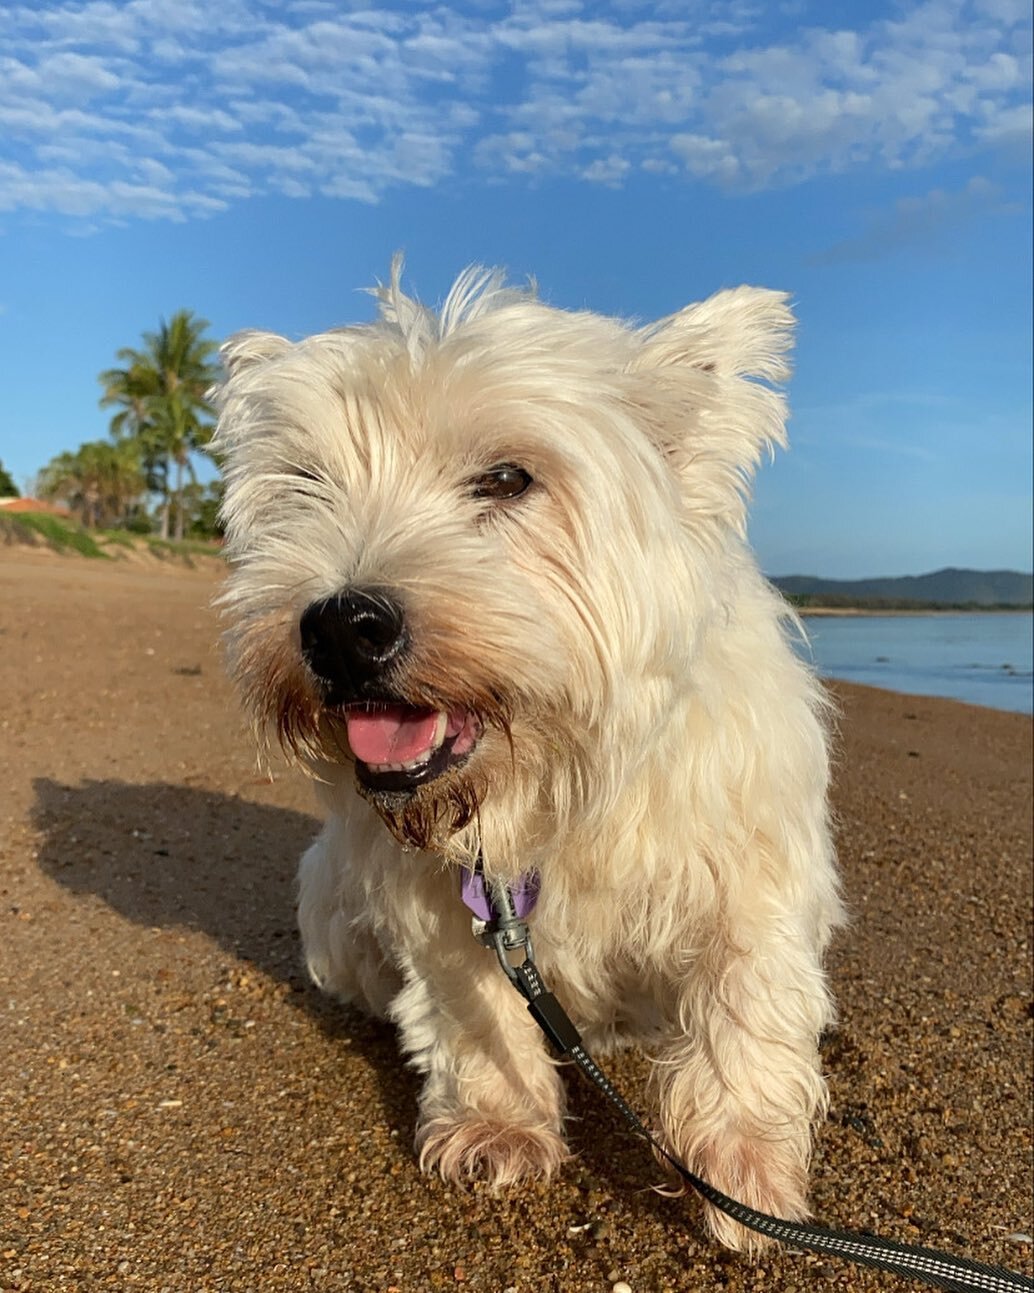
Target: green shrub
column 118, row 538
column 59, row 534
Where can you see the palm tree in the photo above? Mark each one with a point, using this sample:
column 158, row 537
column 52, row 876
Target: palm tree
column 99, row 481
column 161, row 391
column 61, row 479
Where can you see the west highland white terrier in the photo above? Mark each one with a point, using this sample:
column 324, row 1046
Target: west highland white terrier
column 490, row 586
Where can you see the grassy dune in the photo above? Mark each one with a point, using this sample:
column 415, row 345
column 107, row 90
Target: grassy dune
column 41, row 530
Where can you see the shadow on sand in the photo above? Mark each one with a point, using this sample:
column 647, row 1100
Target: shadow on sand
column 167, row 856
column 173, row 856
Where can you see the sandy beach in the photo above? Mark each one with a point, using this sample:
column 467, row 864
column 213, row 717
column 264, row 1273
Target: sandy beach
column 182, row 1113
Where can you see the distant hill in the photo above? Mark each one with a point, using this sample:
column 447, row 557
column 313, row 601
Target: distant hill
column 949, row 587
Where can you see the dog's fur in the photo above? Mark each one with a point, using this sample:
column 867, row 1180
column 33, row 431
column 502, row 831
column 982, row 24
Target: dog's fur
column 651, row 744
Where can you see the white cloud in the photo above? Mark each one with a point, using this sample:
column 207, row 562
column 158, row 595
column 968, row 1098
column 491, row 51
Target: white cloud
column 1009, row 126
column 706, row 158
column 73, row 76
column 61, row 190
column 607, row 170
column 311, row 96
column 200, row 121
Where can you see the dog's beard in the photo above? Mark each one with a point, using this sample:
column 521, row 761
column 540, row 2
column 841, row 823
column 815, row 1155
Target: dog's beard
column 427, row 817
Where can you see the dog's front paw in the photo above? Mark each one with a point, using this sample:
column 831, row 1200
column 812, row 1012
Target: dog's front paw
column 501, row 1153
column 765, row 1176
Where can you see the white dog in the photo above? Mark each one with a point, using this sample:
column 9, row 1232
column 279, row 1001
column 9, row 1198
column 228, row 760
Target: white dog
column 490, row 585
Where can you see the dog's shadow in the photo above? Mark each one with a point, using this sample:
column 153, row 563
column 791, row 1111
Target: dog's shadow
column 174, row 856
column 170, row 856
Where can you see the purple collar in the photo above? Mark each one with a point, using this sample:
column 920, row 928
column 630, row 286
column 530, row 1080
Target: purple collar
column 524, row 893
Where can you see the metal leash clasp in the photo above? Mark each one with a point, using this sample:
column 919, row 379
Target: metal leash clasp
column 506, row 932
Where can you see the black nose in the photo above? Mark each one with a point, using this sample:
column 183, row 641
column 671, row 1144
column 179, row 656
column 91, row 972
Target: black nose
column 351, row 640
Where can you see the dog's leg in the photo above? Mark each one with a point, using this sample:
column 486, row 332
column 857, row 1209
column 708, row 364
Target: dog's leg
column 741, row 1086
column 492, row 1103
column 342, row 953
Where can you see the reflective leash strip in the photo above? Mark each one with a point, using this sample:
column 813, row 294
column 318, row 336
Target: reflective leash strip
column 956, row 1274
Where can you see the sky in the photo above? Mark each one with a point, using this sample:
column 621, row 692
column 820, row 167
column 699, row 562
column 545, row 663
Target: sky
column 259, row 161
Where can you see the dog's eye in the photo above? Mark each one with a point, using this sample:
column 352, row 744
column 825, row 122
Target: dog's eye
column 502, row 482
column 303, row 478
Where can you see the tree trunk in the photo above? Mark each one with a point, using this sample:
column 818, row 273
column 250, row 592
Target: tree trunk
column 179, row 499
column 167, row 501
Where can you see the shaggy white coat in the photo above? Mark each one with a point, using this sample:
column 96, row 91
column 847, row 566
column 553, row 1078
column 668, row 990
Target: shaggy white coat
column 654, row 747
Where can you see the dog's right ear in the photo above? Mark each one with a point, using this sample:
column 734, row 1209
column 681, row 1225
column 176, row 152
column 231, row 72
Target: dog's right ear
column 245, row 349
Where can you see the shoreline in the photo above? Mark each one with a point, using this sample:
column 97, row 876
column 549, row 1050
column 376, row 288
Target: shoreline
column 833, row 681
column 978, row 660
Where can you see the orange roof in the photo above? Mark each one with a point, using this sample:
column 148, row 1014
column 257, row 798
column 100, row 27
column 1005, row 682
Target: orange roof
column 33, row 505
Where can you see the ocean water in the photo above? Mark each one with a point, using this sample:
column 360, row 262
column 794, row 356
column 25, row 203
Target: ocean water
column 983, row 659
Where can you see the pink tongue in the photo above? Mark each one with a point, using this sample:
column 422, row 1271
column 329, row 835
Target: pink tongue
column 391, row 733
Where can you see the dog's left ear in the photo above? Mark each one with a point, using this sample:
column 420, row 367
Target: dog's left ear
column 742, row 332
column 714, row 412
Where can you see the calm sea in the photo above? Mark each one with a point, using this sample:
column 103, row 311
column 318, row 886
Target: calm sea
column 982, row 659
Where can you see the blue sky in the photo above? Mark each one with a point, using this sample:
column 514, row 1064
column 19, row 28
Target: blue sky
column 259, row 161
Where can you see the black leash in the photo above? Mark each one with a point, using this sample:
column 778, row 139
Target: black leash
column 507, row 932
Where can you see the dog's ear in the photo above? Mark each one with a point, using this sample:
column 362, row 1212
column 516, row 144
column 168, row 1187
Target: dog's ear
column 238, row 355
column 743, row 332
column 707, row 394
column 244, row 349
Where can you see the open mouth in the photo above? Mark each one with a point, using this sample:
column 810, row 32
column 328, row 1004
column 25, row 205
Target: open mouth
column 400, row 747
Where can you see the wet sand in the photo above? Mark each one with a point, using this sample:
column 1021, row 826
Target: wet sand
column 180, row 1111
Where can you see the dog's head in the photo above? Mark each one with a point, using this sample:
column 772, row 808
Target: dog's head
column 472, row 550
